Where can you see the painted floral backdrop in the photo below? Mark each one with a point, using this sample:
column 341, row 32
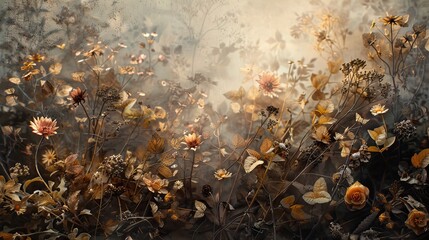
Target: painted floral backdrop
column 215, row 119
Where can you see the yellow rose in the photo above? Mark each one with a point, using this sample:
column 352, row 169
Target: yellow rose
column 356, row 196
column 417, row 221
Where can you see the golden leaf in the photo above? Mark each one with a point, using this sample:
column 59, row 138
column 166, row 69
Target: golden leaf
column 265, row 145
column 235, row 95
column 167, row 159
column 319, row 81
column 325, row 107
column 319, row 193
column 156, row 144
column 421, row 160
column 238, row 141
column 55, row 68
column 30, row 181
column 201, row 208
column 254, row 153
column 360, row 119
column 298, row 213
column 165, row 171
column 326, row 120
column 15, row 80
column 288, row 201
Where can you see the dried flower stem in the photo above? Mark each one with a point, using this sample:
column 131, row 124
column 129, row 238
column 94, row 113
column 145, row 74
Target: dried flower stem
column 189, row 191
column 37, row 167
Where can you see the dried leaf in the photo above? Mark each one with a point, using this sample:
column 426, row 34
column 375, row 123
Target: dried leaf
column 201, row 208
column 156, row 144
column 238, row 141
column 165, row 171
column 235, row 96
column 288, row 201
column 55, row 68
column 265, row 145
column 319, row 193
column 420, row 160
column 251, row 163
column 254, row 153
column 30, row 181
column 73, row 200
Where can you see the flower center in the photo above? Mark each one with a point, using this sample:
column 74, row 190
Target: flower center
column 356, row 197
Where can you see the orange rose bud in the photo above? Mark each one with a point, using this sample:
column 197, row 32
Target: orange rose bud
column 417, row 221
column 356, row 196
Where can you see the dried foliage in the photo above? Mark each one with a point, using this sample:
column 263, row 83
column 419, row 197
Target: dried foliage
column 295, row 152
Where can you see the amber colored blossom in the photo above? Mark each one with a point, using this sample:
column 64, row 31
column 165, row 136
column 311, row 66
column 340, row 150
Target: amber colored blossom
column 28, row 65
column 379, row 135
column 395, row 20
column 193, row 141
column 49, row 157
column 417, row 221
column 378, row 109
column 78, row 96
column 222, row 174
column 44, row 126
column 19, row 207
column 127, row 70
column 269, row 84
column 36, row 57
column 155, row 184
column 356, row 196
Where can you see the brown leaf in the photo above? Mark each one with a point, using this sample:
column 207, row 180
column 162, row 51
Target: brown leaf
column 167, row 159
column 72, row 165
column 73, row 200
column 156, row 144
column 254, row 153
column 165, row 171
column 238, row 141
column 266, row 145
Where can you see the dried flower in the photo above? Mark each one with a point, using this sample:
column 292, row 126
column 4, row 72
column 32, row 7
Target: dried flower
column 193, row 141
column 127, row 70
column 178, row 185
column 78, row 96
column 222, row 173
column 28, row 65
column 49, row 157
column 155, row 184
column 114, row 165
column 18, row 206
column 405, row 129
column 19, row 170
column 395, row 20
column 417, row 221
column 321, row 134
column 378, row 109
column 36, row 57
column 269, row 84
column 356, row 195
column 379, row 135
column 44, row 126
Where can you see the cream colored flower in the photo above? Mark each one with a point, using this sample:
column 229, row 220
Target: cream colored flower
column 269, row 84
column 49, row 157
column 379, row 135
column 222, row 174
column 417, row 221
column 193, row 141
column 356, row 196
column 44, row 126
column 18, row 206
column 378, row 109
column 155, row 184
